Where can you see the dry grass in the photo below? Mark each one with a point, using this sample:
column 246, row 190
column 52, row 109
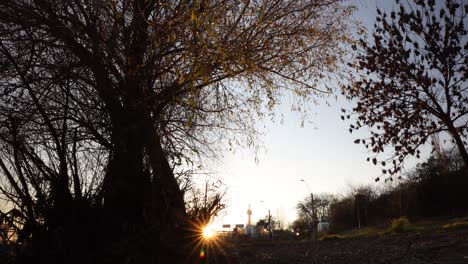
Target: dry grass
column 371, row 246
column 365, row 232
column 399, row 225
column 331, row 237
column 456, row 225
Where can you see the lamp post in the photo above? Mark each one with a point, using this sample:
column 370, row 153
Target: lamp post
column 313, row 207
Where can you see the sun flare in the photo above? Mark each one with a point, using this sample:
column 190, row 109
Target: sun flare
column 206, row 240
column 208, row 232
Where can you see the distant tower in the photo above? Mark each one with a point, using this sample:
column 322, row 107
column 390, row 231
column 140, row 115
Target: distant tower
column 249, row 213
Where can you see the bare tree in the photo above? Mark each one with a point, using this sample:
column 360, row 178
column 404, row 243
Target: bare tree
column 204, row 205
column 281, row 223
column 316, row 210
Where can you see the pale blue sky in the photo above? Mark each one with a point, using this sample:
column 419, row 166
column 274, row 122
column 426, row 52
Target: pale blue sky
column 322, row 153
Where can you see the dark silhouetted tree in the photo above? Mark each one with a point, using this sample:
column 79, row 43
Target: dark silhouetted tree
column 362, row 198
column 315, row 211
column 101, row 100
column 300, row 225
column 411, row 80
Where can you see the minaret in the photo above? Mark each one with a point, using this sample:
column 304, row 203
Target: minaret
column 249, row 213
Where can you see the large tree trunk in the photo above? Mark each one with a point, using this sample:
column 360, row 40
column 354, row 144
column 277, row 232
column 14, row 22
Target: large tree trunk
column 126, row 190
column 460, row 145
column 141, row 194
column 167, row 200
column 124, row 181
column 136, row 205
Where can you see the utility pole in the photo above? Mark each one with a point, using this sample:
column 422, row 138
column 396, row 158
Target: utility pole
column 358, row 212
column 313, row 227
column 270, row 229
column 313, row 214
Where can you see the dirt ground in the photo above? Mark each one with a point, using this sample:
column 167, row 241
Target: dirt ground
column 435, row 246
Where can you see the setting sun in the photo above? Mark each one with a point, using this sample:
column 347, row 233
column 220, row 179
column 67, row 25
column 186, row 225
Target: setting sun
column 208, row 232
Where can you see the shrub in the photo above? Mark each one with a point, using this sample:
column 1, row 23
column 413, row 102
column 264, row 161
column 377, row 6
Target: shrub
column 399, row 225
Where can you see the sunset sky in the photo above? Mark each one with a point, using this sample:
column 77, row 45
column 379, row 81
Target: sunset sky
column 322, row 153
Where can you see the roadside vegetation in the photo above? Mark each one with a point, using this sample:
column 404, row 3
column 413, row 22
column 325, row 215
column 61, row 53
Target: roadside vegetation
column 433, row 189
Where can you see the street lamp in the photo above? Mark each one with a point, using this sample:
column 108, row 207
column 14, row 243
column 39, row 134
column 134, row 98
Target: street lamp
column 312, row 205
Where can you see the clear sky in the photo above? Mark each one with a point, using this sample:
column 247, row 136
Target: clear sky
column 322, row 153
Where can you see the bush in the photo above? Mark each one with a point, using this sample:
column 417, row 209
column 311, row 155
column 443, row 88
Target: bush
column 399, row 225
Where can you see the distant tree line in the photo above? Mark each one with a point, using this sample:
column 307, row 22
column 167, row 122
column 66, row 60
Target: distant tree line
column 434, row 188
